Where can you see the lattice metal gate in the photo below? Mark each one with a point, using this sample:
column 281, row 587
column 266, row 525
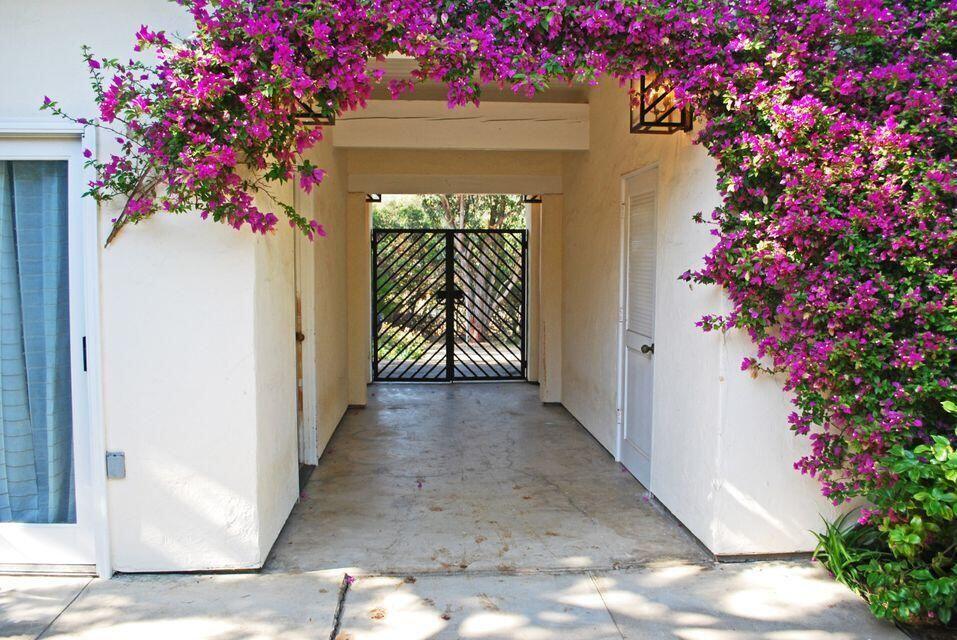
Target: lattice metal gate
column 448, row 304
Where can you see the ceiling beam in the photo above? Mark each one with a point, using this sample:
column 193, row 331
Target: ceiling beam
column 498, row 126
column 446, row 183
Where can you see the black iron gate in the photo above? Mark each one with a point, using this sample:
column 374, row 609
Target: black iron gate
column 448, row 304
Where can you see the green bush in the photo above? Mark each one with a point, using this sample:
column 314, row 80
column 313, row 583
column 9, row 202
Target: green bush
column 904, row 563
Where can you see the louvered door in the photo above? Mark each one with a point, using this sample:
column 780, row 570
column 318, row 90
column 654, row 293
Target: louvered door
column 639, row 324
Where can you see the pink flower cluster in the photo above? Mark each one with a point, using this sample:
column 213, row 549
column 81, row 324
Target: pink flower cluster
column 832, row 123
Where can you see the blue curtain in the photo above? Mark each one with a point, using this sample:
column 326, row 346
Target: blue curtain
column 36, row 425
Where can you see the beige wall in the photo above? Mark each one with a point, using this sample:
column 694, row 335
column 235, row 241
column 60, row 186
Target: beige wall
column 722, row 452
column 359, row 283
column 331, row 304
column 551, row 290
column 425, row 171
column 40, row 44
column 180, row 396
column 438, row 163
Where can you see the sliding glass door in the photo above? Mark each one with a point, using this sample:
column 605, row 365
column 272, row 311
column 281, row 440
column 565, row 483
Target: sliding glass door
column 45, row 506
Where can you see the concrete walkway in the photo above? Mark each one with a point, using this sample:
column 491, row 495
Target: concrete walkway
column 483, row 477
column 768, row 600
column 466, row 511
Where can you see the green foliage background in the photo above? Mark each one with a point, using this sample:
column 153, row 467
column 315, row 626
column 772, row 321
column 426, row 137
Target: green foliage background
column 449, row 211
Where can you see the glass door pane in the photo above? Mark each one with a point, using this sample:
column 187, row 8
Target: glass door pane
column 36, row 422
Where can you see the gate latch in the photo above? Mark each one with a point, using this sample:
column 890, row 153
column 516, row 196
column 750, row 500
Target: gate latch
column 457, row 294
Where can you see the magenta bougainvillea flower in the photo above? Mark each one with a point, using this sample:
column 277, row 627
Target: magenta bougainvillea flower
column 832, row 123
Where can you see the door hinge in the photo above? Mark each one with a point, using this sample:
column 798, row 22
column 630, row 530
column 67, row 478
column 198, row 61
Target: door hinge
column 621, row 314
column 84, row 353
column 618, row 415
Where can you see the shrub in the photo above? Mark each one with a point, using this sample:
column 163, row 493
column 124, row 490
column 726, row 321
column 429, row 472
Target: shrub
column 903, row 562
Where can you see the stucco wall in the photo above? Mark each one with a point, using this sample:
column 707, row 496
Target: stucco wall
column 331, row 308
column 180, row 396
column 198, row 385
column 274, row 330
column 551, row 287
column 359, row 284
column 722, row 452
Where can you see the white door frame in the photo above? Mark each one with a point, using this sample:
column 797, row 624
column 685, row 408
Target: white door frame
column 36, row 139
column 622, row 301
column 304, row 251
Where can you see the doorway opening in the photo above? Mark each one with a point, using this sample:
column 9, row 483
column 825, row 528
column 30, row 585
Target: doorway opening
column 449, row 288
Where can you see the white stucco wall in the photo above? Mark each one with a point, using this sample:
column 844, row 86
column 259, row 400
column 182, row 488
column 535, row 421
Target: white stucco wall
column 274, row 366
column 722, row 454
column 197, row 321
column 180, row 396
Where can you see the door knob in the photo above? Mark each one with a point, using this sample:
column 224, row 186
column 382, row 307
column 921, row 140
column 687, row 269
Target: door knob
column 648, row 348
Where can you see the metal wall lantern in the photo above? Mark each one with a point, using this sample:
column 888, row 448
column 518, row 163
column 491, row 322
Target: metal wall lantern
column 654, row 108
column 315, row 120
column 312, row 116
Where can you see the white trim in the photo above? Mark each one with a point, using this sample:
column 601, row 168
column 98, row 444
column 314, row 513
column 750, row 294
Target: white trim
column 44, row 129
column 40, row 128
column 94, row 371
column 622, row 301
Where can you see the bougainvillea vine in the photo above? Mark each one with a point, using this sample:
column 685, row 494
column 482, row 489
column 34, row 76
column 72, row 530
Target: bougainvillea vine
column 832, row 123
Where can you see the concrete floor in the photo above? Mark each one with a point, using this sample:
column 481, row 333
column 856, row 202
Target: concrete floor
column 477, row 477
column 468, row 511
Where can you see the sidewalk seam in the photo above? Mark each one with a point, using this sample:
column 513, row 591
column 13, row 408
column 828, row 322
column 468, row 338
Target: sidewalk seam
column 605, row 604
column 63, row 610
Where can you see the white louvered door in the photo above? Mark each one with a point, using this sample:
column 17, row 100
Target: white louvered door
column 639, row 324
